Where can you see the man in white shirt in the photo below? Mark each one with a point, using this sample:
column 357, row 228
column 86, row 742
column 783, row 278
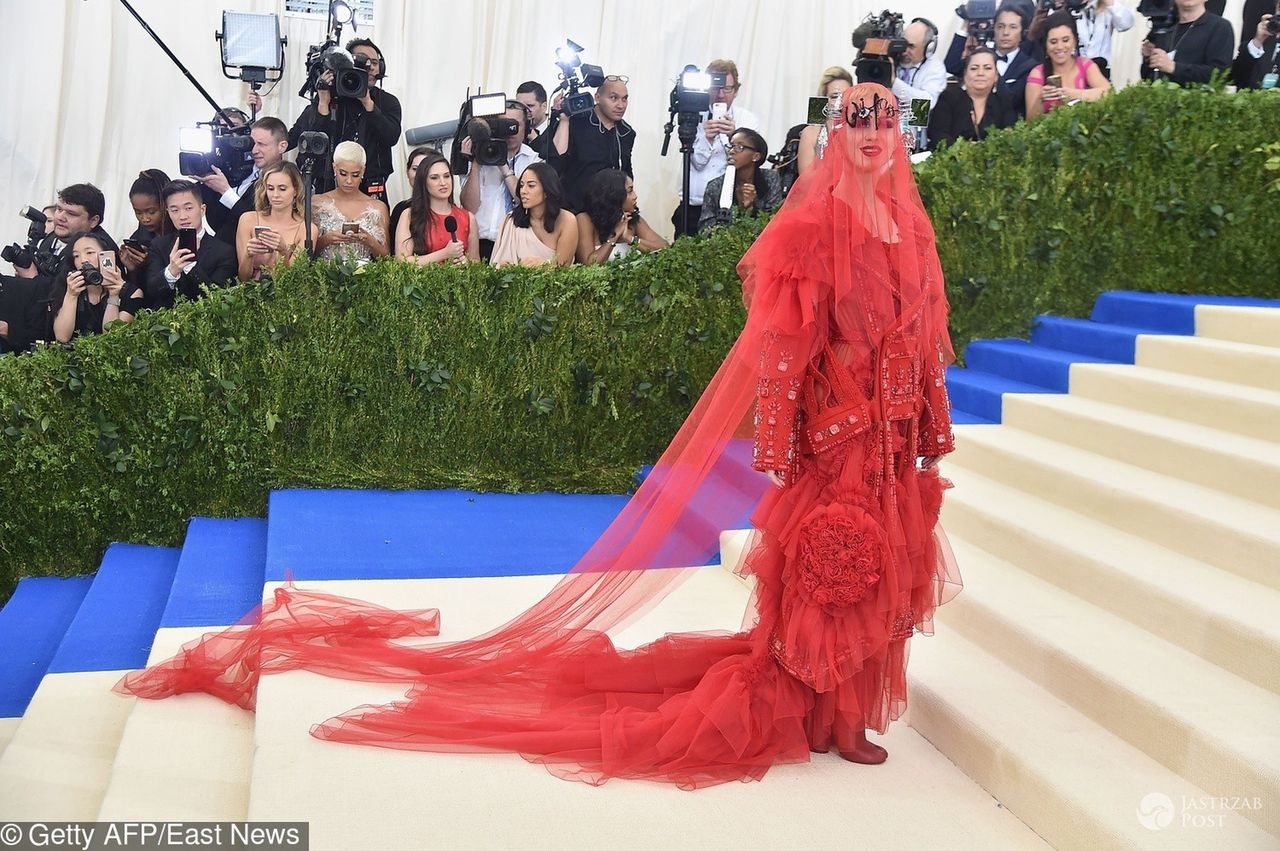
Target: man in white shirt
column 920, row 73
column 710, row 157
column 491, row 191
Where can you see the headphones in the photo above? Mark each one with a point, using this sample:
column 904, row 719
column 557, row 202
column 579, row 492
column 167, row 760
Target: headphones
column 364, row 42
column 931, row 47
column 528, row 116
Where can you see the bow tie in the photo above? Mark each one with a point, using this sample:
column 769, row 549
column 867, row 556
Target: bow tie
column 1002, row 58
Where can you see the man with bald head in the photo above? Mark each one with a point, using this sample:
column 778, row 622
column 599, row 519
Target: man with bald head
column 594, row 141
column 920, row 73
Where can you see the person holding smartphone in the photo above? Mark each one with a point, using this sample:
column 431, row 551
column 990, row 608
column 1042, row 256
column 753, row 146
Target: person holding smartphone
column 349, row 224
column 189, row 258
column 87, row 292
column 275, row 230
column 1064, row 76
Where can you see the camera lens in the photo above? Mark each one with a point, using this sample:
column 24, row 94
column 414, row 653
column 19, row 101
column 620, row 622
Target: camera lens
column 92, row 276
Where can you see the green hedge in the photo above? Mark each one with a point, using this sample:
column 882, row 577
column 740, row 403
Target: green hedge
column 400, row 376
column 1152, row 188
column 395, row 376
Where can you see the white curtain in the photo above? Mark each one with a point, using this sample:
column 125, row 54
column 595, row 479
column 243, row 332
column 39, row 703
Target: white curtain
column 90, row 96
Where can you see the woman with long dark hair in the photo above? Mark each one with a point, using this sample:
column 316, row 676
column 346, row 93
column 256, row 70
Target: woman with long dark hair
column 842, row 357
column 539, row 230
column 755, row 189
column 610, row 225
column 415, row 158
column 1065, row 76
column 86, row 293
column 424, row 235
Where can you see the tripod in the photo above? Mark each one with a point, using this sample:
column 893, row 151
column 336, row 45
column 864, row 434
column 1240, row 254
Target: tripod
column 688, row 131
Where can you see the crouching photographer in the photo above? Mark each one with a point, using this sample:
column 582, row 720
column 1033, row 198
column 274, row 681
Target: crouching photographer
column 349, row 105
column 86, row 295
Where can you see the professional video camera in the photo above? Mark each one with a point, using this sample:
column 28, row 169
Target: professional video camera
column 22, row 256
column 1075, row 7
column 980, row 15
column 213, row 143
column 690, row 100
column 574, row 75
column 880, row 43
column 482, row 118
column 350, row 73
column 1163, row 15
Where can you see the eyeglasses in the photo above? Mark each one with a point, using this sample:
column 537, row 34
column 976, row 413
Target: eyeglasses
column 732, row 88
column 617, row 78
column 736, row 148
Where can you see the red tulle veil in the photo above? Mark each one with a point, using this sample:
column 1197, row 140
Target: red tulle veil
column 851, row 247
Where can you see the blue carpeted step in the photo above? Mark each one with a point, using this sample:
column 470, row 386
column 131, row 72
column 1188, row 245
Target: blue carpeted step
column 1026, row 363
column 1102, row 340
column 220, row 573
column 1168, row 313
column 981, row 393
column 959, row 417
column 32, row 625
column 118, row 619
column 328, row 534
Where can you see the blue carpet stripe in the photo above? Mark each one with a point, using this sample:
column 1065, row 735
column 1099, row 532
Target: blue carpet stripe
column 220, row 573
column 32, row 625
column 118, row 619
column 323, row 534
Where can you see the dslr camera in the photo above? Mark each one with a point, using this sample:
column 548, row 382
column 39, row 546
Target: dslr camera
column 23, row 256
column 574, row 76
column 350, row 73
column 482, row 118
column 213, row 143
column 880, row 43
column 981, row 18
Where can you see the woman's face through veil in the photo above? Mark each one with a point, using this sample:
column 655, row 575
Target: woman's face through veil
column 872, row 137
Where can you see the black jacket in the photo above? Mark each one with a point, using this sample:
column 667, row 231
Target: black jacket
column 226, row 231
column 952, row 117
column 1249, row 76
column 216, row 264
column 592, row 149
column 1013, row 82
column 377, row 131
column 1201, row 48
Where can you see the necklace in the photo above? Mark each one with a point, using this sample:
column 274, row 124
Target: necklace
column 1189, row 28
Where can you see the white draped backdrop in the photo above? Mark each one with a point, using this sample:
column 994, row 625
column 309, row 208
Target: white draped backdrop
column 90, row 97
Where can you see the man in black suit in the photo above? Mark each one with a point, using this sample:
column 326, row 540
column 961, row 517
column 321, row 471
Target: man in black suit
column 270, row 140
column 1199, row 46
column 172, row 269
column 1258, row 56
column 1015, row 57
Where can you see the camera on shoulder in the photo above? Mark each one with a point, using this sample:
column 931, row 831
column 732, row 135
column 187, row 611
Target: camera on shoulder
column 880, row 42
column 482, row 118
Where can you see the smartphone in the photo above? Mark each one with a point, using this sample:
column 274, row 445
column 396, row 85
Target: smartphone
column 718, row 110
column 1054, row 80
column 187, row 239
column 259, row 230
column 140, row 247
column 106, row 260
column 817, row 111
column 350, row 227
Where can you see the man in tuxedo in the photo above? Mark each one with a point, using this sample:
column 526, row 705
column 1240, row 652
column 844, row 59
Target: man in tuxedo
column 1258, row 52
column 1015, row 57
column 270, row 140
column 172, row 269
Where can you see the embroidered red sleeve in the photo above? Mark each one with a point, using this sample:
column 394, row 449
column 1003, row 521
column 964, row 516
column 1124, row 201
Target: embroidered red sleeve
column 777, row 407
column 935, row 412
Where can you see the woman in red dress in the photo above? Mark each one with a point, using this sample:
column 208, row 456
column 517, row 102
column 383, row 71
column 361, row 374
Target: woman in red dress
column 842, row 360
column 424, row 236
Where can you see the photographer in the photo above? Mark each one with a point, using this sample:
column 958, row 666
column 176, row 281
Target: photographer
column 80, row 208
column 588, row 143
column 270, row 141
column 533, row 95
column 373, row 122
column 1263, row 54
column 1015, row 56
column 490, row 191
column 920, row 73
column 710, row 157
column 86, row 294
column 216, row 191
column 1097, row 21
column 173, row 269
column 1199, row 45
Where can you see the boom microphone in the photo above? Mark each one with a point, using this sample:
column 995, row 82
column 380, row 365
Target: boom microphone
column 438, row 132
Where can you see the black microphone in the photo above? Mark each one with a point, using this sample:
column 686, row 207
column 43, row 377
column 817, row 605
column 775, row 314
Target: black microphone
column 451, row 225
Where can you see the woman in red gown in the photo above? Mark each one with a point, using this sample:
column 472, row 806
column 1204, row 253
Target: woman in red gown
column 842, row 359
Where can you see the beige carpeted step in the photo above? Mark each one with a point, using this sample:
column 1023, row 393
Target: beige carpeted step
column 1259, row 326
column 187, row 758
column 1222, row 360
column 360, row 797
column 1219, row 529
column 58, row 762
column 1207, row 725
column 1244, row 466
column 1250, row 411
column 1075, row 783
column 1228, row 620
column 8, row 726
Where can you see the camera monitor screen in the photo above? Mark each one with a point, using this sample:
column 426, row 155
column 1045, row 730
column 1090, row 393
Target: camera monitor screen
column 493, row 104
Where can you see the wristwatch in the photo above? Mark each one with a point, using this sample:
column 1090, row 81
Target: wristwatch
column 113, row 301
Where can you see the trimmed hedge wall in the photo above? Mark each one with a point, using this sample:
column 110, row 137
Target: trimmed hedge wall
column 400, row 376
column 1152, row 188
